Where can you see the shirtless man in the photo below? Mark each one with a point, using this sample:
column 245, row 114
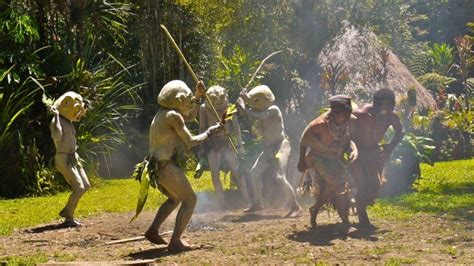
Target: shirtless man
column 367, row 130
column 168, row 130
column 258, row 104
column 219, row 148
column 327, row 138
column 69, row 108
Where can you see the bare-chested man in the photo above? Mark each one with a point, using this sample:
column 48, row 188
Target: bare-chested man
column 367, row 130
column 168, row 130
column 327, row 138
column 69, row 108
column 258, row 104
column 219, row 149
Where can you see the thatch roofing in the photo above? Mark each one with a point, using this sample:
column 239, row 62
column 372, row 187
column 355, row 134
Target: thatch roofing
column 365, row 66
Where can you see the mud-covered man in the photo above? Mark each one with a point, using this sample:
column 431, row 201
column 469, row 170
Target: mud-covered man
column 167, row 132
column 258, row 105
column 69, row 108
column 327, row 138
column 219, row 149
column 367, row 130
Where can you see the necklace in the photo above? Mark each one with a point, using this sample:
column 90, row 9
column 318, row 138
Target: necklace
column 338, row 131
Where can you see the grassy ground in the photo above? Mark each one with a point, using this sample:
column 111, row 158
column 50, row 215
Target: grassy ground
column 445, row 189
column 107, row 196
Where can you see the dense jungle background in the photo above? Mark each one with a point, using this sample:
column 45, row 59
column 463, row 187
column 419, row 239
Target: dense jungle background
column 115, row 55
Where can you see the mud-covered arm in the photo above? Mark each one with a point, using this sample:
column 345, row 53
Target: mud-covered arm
column 202, row 118
column 236, row 130
column 178, row 124
column 193, row 114
column 200, row 90
column 262, row 115
column 56, row 128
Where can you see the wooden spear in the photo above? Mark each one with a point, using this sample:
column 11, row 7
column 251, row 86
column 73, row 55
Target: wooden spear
column 190, row 70
column 259, row 67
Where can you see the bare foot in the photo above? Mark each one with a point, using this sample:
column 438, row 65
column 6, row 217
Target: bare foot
column 71, row 223
column 254, row 208
column 155, row 238
column 294, row 212
column 347, row 228
column 179, row 246
column 366, row 225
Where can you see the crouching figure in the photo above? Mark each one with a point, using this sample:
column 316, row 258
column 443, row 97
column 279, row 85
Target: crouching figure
column 328, row 138
column 167, row 132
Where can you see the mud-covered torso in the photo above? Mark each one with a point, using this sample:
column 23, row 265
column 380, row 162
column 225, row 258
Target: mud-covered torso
column 64, row 141
column 272, row 127
column 164, row 142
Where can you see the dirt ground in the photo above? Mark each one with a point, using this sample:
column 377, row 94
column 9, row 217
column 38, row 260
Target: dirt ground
column 231, row 236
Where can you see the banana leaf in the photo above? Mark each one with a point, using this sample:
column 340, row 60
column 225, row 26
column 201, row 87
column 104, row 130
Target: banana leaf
column 141, row 171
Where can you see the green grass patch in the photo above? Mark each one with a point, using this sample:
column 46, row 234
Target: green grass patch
column 399, row 261
column 445, row 188
column 118, row 195
column 33, row 259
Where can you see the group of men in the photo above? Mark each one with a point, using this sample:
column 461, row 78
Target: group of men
column 323, row 146
column 342, row 148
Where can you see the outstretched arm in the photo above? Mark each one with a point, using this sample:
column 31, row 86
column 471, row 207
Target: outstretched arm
column 177, row 122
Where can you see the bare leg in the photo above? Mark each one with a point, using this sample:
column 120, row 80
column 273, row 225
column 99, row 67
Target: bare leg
column 152, row 234
column 284, row 154
column 341, row 204
column 256, row 173
column 175, row 185
column 361, row 181
column 77, row 179
column 214, row 159
column 321, row 199
column 233, row 160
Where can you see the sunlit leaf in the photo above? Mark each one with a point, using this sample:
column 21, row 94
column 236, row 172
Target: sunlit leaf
column 143, row 194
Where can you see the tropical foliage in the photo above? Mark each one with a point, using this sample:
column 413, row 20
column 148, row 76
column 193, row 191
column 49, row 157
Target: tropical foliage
column 114, row 54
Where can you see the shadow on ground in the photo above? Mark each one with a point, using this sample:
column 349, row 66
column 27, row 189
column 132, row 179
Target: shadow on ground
column 48, row 227
column 324, row 234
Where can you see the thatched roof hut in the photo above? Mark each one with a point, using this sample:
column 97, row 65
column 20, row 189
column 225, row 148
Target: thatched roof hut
column 356, row 63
